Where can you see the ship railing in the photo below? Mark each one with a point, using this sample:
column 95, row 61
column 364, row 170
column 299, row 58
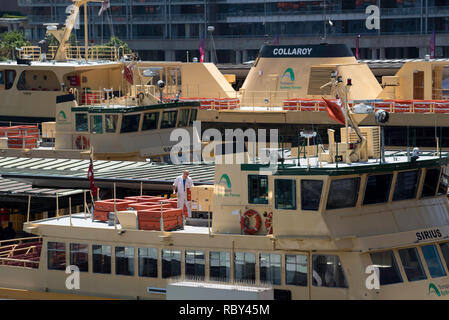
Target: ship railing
column 21, row 252
column 76, row 53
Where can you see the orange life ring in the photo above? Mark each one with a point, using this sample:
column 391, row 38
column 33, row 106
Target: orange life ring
column 244, row 222
column 269, row 223
column 82, row 142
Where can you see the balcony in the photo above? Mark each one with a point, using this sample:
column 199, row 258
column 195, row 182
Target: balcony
column 148, row 18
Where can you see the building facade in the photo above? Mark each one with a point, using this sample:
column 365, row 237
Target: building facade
column 175, row 29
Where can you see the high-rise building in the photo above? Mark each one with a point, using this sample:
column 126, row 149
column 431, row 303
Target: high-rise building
column 173, row 29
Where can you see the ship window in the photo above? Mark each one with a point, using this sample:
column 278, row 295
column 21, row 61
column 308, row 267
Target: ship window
column 442, row 188
column 412, row 264
column 433, row 261
column 183, row 118
column 81, row 122
column 220, row 265
column 101, row 258
column 96, row 124
column 79, row 256
column 285, row 194
column 343, row 193
column 377, row 188
column 444, row 246
column 430, row 182
column 10, row 76
column 168, row 119
column 195, row 264
column 388, row 268
column 111, row 123
column 56, row 256
column 311, row 194
column 257, row 189
column 124, row 261
column 270, row 268
column 150, row 121
column 328, row 272
column 406, row 185
column 193, row 115
column 245, row 266
column 130, row 123
column 2, row 78
column 29, row 80
column 296, row 270
column 319, row 76
column 148, row 262
column 171, row 263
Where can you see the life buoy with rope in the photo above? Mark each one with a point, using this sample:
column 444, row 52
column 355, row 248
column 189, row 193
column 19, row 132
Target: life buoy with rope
column 244, row 222
column 269, row 223
column 82, row 142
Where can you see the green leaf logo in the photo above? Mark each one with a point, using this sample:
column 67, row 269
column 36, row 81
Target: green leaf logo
column 225, row 180
column 289, row 73
column 434, row 287
column 62, row 115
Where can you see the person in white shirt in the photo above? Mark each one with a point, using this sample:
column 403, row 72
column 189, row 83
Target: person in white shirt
column 180, row 185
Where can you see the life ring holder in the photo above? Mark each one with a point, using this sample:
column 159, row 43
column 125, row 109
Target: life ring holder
column 269, row 223
column 244, row 222
column 85, row 142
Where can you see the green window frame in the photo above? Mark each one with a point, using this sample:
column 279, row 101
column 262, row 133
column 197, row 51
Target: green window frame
column 285, row 194
column 257, row 189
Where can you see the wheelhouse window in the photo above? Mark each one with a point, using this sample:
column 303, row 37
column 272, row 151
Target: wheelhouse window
column 124, row 261
column 110, row 121
column 245, row 266
column 195, row 264
column 442, row 188
column 81, row 122
column 444, row 246
column 148, row 262
column 130, row 123
column 220, row 265
column 101, row 258
column 433, row 261
column 406, row 185
column 10, row 76
column 193, row 115
column 183, row 118
column 169, row 119
column 96, row 124
column 56, row 256
column 412, row 264
column 311, row 194
column 377, row 188
column 79, row 256
column 388, row 268
column 296, row 270
column 270, row 268
column 258, row 189
column 343, row 193
column 285, row 194
column 38, row 80
column 2, row 79
column 171, row 263
column 431, row 182
column 150, row 121
column 328, row 272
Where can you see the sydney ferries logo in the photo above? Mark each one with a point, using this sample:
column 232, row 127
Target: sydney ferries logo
column 288, row 80
column 440, row 290
column 226, row 186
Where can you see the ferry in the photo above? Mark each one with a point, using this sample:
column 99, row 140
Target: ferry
column 354, row 221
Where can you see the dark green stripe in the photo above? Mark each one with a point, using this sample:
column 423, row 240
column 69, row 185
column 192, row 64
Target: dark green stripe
column 162, row 106
column 290, row 169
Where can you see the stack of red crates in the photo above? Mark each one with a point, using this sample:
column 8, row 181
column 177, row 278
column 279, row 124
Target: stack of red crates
column 148, row 211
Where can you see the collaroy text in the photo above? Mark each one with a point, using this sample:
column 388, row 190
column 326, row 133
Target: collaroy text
column 292, row 51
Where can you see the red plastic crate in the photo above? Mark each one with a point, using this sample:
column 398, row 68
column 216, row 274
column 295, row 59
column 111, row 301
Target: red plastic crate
column 108, row 205
column 145, row 199
column 101, row 215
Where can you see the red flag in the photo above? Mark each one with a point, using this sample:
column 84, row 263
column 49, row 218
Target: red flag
column 202, row 50
column 105, row 5
column 128, row 73
column 90, row 177
column 334, row 111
